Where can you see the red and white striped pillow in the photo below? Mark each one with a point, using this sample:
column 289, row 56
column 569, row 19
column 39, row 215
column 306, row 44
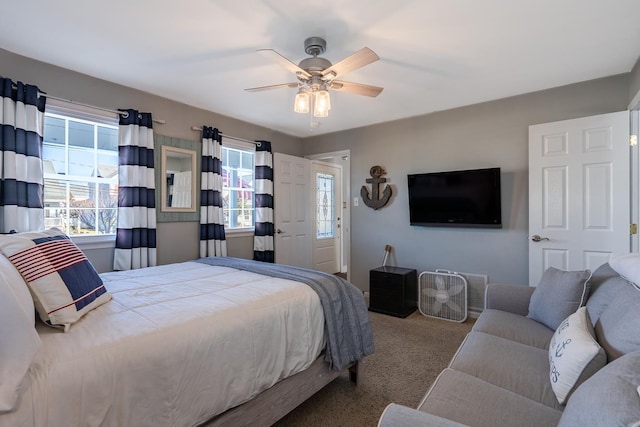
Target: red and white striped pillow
column 62, row 281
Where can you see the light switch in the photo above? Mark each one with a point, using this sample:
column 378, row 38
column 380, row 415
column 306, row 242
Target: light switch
column 355, row 201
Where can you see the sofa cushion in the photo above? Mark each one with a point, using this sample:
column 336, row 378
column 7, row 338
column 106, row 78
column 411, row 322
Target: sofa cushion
column 574, row 354
column 505, row 297
column 395, row 415
column 610, row 397
column 558, row 295
column 513, row 327
column 62, row 281
column 469, row 400
column 604, row 285
column 510, row 365
column 618, row 326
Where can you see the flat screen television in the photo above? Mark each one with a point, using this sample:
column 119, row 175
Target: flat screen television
column 466, row 198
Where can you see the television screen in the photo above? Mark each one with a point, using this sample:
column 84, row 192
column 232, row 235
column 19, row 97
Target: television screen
column 469, row 198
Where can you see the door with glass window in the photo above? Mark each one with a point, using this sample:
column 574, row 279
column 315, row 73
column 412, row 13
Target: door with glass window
column 326, row 247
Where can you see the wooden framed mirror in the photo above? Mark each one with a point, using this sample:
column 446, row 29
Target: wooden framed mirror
column 178, row 180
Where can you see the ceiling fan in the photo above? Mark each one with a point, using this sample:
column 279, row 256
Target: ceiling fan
column 316, row 75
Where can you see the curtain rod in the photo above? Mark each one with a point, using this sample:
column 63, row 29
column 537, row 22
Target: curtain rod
column 124, row 113
column 199, row 129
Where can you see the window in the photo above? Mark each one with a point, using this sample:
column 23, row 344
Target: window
column 325, row 206
column 80, row 157
column 237, row 185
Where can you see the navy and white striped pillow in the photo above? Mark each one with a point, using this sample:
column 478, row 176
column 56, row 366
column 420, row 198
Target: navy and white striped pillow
column 62, row 281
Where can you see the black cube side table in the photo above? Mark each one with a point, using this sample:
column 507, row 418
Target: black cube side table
column 393, row 290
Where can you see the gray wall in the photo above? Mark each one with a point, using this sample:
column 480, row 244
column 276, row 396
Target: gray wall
column 176, row 241
column 491, row 134
column 483, row 135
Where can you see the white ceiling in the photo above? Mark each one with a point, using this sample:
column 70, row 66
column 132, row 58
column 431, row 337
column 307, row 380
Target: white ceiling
column 434, row 54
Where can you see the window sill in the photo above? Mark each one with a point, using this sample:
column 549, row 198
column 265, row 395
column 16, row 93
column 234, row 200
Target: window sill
column 239, row 232
column 108, row 241
column 105, row 241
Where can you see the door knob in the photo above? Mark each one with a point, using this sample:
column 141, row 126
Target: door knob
column 279, row 231
column 537, row 238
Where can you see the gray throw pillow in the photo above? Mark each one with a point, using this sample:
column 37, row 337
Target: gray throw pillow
column 609, row 398
column 618, row 329
column 559, row 294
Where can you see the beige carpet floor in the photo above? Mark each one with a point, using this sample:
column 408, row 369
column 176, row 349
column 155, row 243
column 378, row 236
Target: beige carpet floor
column 410, row 353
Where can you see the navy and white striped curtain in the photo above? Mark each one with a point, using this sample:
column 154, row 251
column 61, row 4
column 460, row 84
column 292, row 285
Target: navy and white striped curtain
column 263, row 248
column 22, row 183
column 212, row 237
column 136, row 234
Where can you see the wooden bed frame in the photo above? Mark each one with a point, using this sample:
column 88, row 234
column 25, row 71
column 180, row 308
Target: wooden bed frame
column 276, row 402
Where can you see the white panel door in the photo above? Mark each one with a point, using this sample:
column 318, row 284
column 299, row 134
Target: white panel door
column 327, row 181
column 292, row 217
column 579, row 193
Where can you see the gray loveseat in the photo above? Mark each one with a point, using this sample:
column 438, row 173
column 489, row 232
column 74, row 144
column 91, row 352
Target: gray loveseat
column 500, row 375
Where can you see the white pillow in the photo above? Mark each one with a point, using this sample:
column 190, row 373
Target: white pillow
column 62, row 281
column 574, row 354
column 19, row 343
column 19, row 287
column 627, row 266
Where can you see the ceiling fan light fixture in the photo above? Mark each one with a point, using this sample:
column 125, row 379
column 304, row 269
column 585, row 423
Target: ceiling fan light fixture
column 322, row 103
column 301, row 103
column 316, row 75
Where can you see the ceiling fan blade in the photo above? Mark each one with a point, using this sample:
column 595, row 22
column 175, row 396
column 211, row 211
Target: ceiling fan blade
column 359, row 59
column 357, row 88
column 280, row 86
column 286, row 63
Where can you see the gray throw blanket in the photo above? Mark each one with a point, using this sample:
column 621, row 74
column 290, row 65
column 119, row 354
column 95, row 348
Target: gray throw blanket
column 347, row 326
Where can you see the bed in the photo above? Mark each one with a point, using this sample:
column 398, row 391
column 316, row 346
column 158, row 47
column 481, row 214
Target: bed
column 207, row 341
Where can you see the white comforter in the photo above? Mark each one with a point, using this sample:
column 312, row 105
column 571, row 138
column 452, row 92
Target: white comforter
column 177, row 345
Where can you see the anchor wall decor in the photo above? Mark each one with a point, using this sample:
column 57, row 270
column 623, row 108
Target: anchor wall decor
column 375, row 201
